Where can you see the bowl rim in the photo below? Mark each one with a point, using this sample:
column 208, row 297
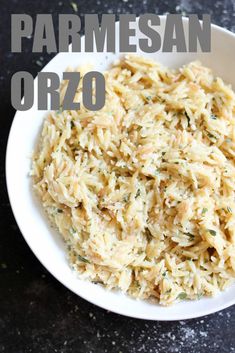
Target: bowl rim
column 103, row 305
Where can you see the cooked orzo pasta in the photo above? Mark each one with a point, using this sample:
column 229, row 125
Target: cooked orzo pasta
column 143, row 191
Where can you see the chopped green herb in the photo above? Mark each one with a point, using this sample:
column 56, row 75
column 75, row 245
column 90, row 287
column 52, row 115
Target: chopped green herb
column 73, row 230
column 204, row 210
column 59, row 210
column 212, row 232
column 97, row 282
column 188, row 118
column 163, row 153
column 148, row 98
column 137, row 194
column 199, row 296
column 190, row 235
column 59, row 111
column 168, row 291
column 148, row 234
column 157, row 171
column 74, row 6
column 83, row 259
column 229, row 209
column 213, row 117
column 164, row 274
column 182, row 296
column 136, row 284
column 72, row 124
column 211, row 136
column 126, row 198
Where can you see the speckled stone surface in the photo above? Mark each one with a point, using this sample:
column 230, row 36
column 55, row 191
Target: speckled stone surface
column 37, row 314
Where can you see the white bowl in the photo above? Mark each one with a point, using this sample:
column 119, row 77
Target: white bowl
column 46, row 243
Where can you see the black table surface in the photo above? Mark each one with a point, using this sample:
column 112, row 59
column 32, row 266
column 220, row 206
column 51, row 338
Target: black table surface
column 38, row 314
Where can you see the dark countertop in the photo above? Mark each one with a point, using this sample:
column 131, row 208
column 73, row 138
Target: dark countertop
column 38, row 314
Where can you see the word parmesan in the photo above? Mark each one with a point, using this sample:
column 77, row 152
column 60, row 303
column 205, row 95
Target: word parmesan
column 103, row 37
